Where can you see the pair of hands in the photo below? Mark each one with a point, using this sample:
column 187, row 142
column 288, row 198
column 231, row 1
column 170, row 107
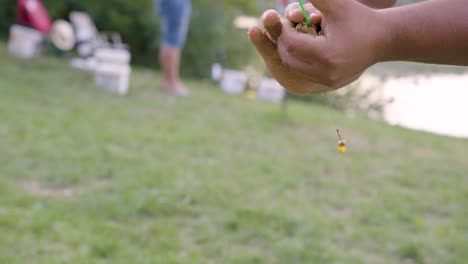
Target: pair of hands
column 353, row 38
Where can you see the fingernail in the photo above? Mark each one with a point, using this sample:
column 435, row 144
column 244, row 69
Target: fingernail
column 292, row 10
column 263, row 15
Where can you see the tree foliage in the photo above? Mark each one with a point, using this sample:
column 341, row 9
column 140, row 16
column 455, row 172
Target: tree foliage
column 136, row 20
column 211, row 27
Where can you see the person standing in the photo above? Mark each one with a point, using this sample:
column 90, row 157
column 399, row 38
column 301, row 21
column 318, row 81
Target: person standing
column 175, row 21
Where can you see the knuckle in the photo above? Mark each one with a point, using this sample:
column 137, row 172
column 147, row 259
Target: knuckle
column 293, row 6
column 309, row 7
column 332, row 79
column 330, row 64
column 287, row 63
column 291, row 49
column 328, row 60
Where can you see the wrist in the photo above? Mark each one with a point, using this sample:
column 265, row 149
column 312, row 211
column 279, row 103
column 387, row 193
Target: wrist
column 378, row 4
column 387, row 44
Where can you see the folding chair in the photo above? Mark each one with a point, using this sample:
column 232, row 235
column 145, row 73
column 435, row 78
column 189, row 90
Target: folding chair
column 89, row 39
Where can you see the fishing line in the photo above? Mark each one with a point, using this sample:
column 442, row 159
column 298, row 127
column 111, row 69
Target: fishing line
column 341, row 142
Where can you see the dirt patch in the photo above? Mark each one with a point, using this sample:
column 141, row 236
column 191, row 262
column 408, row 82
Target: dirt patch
column 101, row 183
column 340, row 211
column 408, row 261
column 36, row 188
column 304, row 28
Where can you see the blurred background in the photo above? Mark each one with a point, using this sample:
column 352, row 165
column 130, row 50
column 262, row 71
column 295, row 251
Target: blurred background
column 99, row 165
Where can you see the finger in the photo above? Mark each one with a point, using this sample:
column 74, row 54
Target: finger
column 271, row 20
column 302, row 89
column 269, row 53
column 294, row 13
column 309, row 70
column 348, row 81
column 300, row 45
column 315, row 18
column 330, row 7
column 264, row 46
column 289, row 8
column 293, row 83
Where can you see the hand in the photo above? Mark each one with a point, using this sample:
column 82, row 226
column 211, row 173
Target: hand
column 265, row 44
column 352, row 37
column 293, row 12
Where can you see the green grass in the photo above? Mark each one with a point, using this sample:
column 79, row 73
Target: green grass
column 88, row 177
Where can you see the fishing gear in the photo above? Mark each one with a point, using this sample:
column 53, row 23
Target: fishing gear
column 341, row 142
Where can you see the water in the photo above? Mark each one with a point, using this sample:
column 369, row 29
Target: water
column 436, row 102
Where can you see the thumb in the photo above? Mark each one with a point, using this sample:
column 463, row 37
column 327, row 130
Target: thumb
column 330, row 7
column 271, row 20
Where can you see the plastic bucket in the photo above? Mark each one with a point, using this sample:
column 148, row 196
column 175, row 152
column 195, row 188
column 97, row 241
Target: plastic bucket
column 113, row 78
column 233, row 82
column 270, row 90
column 24, row 42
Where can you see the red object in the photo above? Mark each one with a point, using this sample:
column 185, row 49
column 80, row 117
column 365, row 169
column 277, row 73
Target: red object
column 33, row 13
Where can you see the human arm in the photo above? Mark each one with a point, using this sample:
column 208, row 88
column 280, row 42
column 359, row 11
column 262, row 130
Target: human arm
column 294, row 13
column 378, row 4
column 356, row 37
column 433, row 31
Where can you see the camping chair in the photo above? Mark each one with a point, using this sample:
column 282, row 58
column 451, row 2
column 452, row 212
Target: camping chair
column 89, row 39
column 33, row 13
column 32, row 26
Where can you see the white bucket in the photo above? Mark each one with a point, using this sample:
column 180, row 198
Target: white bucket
column 216, row 72
column 113, row 78
column 233, row 82
column 24, row 42
column 110, row 55
column 270, row 90
column 112, row 69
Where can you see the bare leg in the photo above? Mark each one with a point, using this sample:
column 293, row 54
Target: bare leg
column 170, row 62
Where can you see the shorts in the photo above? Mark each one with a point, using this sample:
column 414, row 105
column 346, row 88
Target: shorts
column 175, row 20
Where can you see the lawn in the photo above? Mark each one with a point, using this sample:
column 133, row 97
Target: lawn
column 88, row 177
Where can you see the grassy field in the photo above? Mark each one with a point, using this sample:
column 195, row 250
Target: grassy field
column 87, row 177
